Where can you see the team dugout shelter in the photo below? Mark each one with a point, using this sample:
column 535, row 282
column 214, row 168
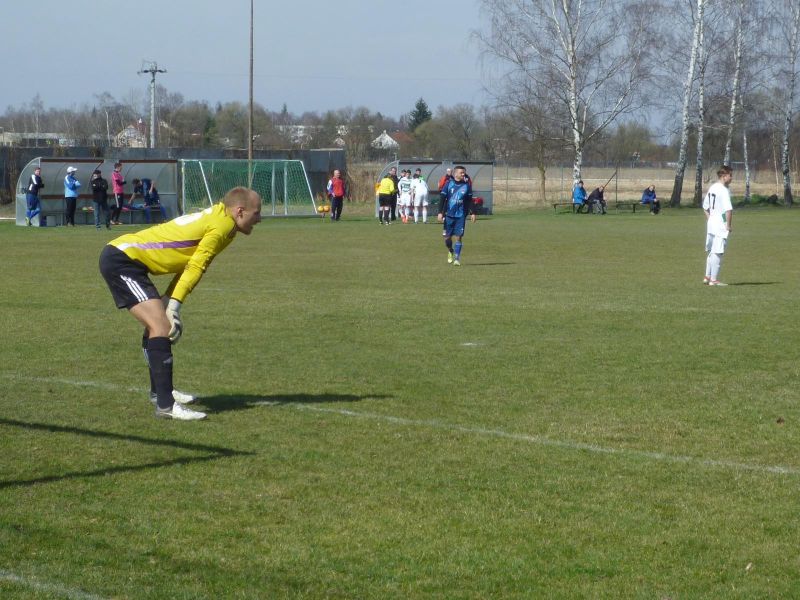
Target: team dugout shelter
column 481, row 173
column 164, row 173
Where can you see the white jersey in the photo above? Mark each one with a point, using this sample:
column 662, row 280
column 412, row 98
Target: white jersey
column 404, row 187
column 717, row 202
column 420, row 187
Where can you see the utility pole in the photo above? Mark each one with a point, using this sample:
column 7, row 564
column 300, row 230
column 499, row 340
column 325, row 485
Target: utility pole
column 250, row 110
column 152, row 68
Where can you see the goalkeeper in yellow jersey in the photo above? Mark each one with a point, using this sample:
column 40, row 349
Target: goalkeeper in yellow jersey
column 185, row 247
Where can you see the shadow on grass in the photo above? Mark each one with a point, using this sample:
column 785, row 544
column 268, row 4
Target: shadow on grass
column 222, row 403
column 756, row 283
column 210, row 453
column 490, row 264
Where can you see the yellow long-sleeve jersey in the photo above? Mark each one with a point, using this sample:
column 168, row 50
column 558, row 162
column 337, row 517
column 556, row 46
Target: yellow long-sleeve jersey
column 387, row 186
column 184, row 246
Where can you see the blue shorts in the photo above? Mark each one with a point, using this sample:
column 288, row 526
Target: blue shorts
column 454, row 226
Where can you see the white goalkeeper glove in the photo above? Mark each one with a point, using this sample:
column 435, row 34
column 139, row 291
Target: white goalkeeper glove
column 174, row 318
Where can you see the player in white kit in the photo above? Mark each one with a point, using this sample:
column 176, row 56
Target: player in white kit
column 719, row 219
column 419, row 198
column 404, row 196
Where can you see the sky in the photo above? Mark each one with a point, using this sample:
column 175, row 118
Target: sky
column 312, row 55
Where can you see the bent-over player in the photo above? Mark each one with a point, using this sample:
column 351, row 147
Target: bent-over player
column 185, row 247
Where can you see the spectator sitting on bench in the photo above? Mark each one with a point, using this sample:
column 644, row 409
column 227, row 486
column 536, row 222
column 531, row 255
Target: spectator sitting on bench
column 138, row 193
column 596, row 202
column 152, row 200
column 578, row 197
column 649, row 197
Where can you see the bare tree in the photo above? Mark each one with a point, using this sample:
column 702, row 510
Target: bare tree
column 587, row 54
column 737, row 76
column 792, row 30
column 677, row 188
column 702, row 59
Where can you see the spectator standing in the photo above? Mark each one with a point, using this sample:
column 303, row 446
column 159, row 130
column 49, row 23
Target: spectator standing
column 337, row 190
column 455, row 206
column 100, row 198
column 649, row 197
column 448, row 175
column 183, row 247
column 117, row 181
column 596, row 201
column 419, row 198
column 71, row 193
column 578, row 197
column 386, row 190
column 33, row 206
column 718, row 210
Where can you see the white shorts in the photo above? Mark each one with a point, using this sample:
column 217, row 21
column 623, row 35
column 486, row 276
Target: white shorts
column 404, row 200
column 716, row 243
column 421, row 200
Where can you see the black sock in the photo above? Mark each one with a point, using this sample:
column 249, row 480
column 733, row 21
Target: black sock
column 159, row 353
column 147, row 361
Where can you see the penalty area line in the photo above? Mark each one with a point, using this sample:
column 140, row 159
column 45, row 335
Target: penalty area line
column 50, row 588
column 568, row 445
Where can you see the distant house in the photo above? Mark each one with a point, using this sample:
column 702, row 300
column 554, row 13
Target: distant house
column 385, row 142
column 401, row 137
column 131, row 137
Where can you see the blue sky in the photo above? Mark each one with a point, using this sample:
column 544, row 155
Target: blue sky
column 310, row 54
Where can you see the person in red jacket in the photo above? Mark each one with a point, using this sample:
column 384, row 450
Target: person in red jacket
column 337, row 189
column 448, row 175
column 117, row 181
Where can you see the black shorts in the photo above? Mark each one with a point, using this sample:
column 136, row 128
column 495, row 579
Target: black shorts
column 128, row 280
column 385, row 199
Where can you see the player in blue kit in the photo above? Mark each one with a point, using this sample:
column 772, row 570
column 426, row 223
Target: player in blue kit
column 456, row 204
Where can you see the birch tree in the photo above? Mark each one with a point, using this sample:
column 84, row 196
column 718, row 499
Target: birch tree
column 702, row 59
column 792, row 29
column 677, row 188
column 737, row 76
column 587, row 54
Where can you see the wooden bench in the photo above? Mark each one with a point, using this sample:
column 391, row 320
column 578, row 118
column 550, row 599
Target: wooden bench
column 632, row 204
column 53, row 209
column 571, row 206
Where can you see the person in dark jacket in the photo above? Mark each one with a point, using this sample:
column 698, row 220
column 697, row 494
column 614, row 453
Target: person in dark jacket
column 100, row 199
column 32, row 195
column 596, row 202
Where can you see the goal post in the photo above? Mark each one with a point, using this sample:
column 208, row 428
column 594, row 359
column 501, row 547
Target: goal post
column 282, row 184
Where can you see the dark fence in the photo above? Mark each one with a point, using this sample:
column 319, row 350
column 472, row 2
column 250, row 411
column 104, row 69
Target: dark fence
column 319, row 163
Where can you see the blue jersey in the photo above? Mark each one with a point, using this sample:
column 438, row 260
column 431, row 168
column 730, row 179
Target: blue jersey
column 578, row 195
column 456, row 199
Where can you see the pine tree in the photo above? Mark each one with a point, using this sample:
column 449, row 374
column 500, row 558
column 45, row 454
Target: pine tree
column 419, row 115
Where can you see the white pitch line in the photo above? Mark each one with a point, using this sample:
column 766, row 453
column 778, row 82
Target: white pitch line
column 76, row 382
column 497, row 433
column 50, row 588
column 543, row 441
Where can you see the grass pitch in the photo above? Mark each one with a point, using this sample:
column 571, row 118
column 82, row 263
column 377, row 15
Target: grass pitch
column 570, row 414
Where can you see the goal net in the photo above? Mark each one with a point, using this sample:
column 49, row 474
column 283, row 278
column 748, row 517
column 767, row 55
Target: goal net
column 282, row 184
